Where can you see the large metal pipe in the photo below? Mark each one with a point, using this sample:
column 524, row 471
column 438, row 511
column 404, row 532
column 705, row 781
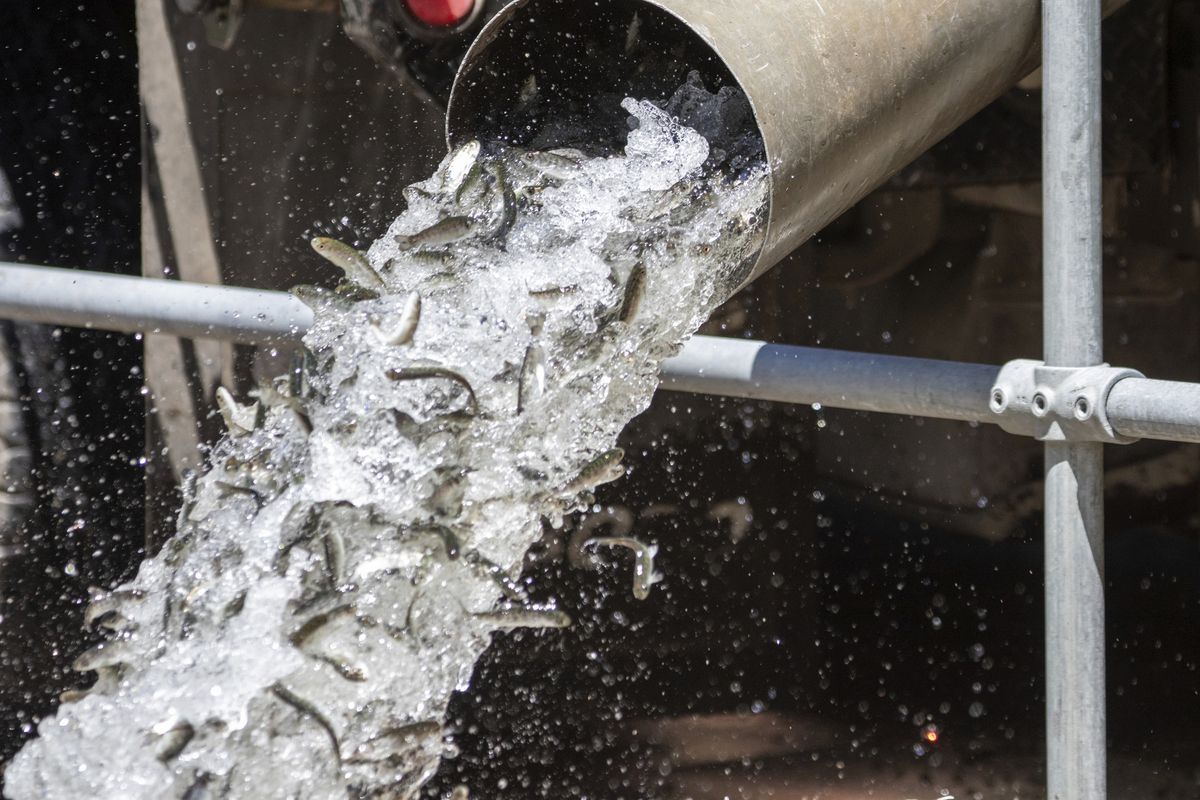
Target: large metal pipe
column 845, row 92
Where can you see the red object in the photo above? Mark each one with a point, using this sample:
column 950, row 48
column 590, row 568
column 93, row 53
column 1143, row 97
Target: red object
column 441, row 13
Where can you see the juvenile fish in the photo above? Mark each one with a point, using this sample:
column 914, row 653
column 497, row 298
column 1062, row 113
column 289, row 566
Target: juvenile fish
column 472, row 181
column 352, row 262
column 315, row 623
column 244, row 491
column 508, row 215
column 552, row 165
column 335, row 555
column 529, row 91
column 273, row 398
column 308, row 709
column 394, row 741
column 353, row 293
column 739, row 515
column 106, row 654
column 491, row 569
column 448, row 537
column 239, row 419
column 317, row 297
column 172, row 739
column 605, row 468
column 533, row 377
column 633, row 33
column 437, row 258
column 432, row 373
column 105, row 603
column 350, row 672
column 635, row 290
column 74, row 695
column 448, row 230
column 462, row 164
column 410, row 317
column 555, row 291
column 524, row 617
column 644, row 575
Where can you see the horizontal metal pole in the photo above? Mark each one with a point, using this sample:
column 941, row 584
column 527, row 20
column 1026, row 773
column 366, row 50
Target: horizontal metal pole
column 1149, row 409
column 835, row 378
column 922, row 387
column 84, row 299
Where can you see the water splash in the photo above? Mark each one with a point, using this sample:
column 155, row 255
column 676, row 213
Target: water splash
column 342, row 565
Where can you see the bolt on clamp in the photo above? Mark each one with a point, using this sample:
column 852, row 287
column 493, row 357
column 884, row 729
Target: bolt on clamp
column 1057, row 404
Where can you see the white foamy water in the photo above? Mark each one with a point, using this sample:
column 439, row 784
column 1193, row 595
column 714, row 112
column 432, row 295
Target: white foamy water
column 341, row 567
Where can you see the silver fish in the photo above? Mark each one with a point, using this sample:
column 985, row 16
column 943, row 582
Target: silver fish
column 448, row 230
column 491, row 569
column 605, row 468
column 335, row 555
column 273, row 398
column 172, row 738
column 318, row 297
column 116, row 622
column 739, row 515
column 308, row 709
column 414, row 195
column 470, row 183
column 394, row 741
column 508, row 214
column 635, row 289
column 437, row 258
column 644, row 575
column 244, row 491
column 343, row 667
column 529, row 91
column 315, row 623
column 533, row 377
column 448, row 538
column 105, row 603
column 524, row 617
column 239, row 419
column 552, row 165
column 633, row 33
column 462, row 163
column 352, row 262
column 555, row 291
column 105, row 654
column 570, row 153
column 432, row 373
column 410, row 317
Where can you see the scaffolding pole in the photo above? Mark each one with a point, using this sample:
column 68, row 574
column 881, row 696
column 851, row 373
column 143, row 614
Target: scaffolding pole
column 1073, row 325
column 1138, row 408
column 124, row 303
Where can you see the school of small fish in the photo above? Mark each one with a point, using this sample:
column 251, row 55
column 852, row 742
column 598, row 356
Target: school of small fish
column 359, row 535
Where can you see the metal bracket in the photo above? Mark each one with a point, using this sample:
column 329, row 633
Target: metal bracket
column 1058, row 404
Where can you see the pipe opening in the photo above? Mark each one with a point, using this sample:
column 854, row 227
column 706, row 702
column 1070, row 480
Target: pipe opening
column 552, row 73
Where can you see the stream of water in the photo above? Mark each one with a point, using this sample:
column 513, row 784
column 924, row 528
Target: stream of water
column 359, row 535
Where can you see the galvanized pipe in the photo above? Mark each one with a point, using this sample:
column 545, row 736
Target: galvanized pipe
column 1137, row 407
column 1073, row 324
column 1149, row 409
column 834, row 378
column 120, row 303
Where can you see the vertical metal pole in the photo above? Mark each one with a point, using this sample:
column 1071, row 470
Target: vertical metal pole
column 1075, row 725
